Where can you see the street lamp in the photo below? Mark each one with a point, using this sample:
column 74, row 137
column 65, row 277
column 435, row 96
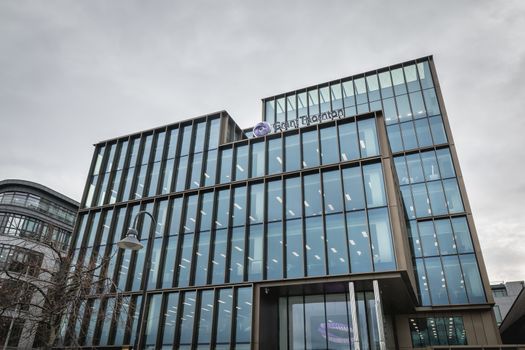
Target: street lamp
column 131, row 241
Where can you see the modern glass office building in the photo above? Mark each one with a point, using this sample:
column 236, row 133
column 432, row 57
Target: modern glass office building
column 343, row 225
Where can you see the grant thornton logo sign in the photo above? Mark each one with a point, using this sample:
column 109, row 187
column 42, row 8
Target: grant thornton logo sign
column 264, row 128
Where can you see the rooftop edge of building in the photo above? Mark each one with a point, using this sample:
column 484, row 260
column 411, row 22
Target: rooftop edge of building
column 39, row 187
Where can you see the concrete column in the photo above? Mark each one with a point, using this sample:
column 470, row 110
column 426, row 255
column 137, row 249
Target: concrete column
column 379, row 316
column 353, row 316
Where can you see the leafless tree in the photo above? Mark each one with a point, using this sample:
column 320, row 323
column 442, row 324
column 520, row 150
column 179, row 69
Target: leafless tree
column 43, row 290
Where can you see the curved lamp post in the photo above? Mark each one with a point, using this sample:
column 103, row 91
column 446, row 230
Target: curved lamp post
column 131, row 241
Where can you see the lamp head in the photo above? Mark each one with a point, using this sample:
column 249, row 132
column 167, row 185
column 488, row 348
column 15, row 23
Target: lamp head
column 130, row 241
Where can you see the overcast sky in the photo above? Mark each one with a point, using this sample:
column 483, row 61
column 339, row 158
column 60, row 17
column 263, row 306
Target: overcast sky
column 73, row 73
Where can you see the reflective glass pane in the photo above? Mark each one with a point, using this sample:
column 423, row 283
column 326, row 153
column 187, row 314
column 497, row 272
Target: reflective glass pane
column 382, row 249
column 302, row 104
column 454, row 203
column 368, row 138
column 333, row 199
column 424, row 292
column 280, row 109
column 472, row 278
column 430, row 165
column 170, row 319
column 239, row 206
column 418, row 107
column 170, row 256
column 360, row 90
column 353, row 188
column 274, row 260
column 186, row 140
column 462, row 235
column 324, row 99
column 398, row 80
column 219, row 256
column 312, row 196
column 225, row 165
column 237, row 255
column 213, row 139
column 423, row 133
column 348, row 141
column 258, row 159
column 167, row 176
column 204, row 328
column 438, row 130
column 436, row 281
column 152, row 323
column 200, row 135
column 421, row 200
column 187, row 316
column 336, row 244
column 411, row 77
column 243, row 322
column 431, row 102
column 315, row 247
column 437, row 198
column 408, row 203
column 425, row 77
column 211, row 166
column 270, row 111
column 201, row 257
column 336, row 95
column 329, row 145
column 401, row 170
column 275, row 160
column 241, row 162
column 255, row 252
column 293, row 152
column 374, row 185
column 447, row 245
column 223, row 209
column 196, row 171
column 294, row 249
column 293, row 198
column 172, row 147
column 275, row 201
column 313, row 102
column 445, row 163
column 182, row 169
column 386, row 84
column 360, row 256
column 184, row 267
column 394, row 138
column 310, row 144
column 291, row 107
column 256, row 203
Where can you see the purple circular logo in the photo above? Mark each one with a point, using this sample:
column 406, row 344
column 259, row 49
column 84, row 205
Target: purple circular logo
column 261, row 129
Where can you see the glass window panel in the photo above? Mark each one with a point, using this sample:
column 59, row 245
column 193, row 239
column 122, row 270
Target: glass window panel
column 386, row 84
column 153, row 179
column 111, row 157
column 409, row 135
column 353, row 188
column 302, row 104
column 329, row 145
column 241, row 162
column 293, row 198
column 180, row 185
column 403, row 108
column 184, row 267
column 472, row 278
column 437, row 198
column 270, row 111
column 255, row 252
column 411, row 77
column 205, row 317
column 312, row 197
column 336, row 244
column 382, row 249
column 368, row 138
column 98, row 161
column 363, row 108
column 102, row 189
column 360, row 89
column 314, row 313
column 348, row 93
column 310, row 144
column 401, row 170
column 167, row 176
column 219, row 256
column 239, row 206
column 291, row 107
column 315, row 247
column 226, row 165
column 293, row 152
column 258, row 159
column 256, row 203
column 191, row 214
column 424, row 75
column 337, row 96
column 211, row 166
column 152, row 323
column 414, row 168
column 196, row 171
column 141, row 180
column 187, row 318
column 134, row 322
column 275, row 201
column 147, row 149
column 389, row 109
column 394, row 138
column 294, row 249
column 407, row 202
column 454, row 203
column 154, row 263
column 170, row 256
column 280, row 110
column 373, row 87
column 436, row 281
column 213, row 138
column 206, row 211
column 93, row 229
column 274, row 260
column 186, row 140
column 447, row 245
column 348, row 141
column 159, row 146
column 430, row 165
column 237, row 255
column 462, row 235
column 224, row 317
column 223, row 209
column 333, row 199
column 172, row 147
column 438, row 130
column 374, row 185
column 170, row 319
column 313, row 102
column 359, row 243
column 445, row 163
column 201, row 257
column 424, row 292
column 423, row 133
column 106, row 319
column 431, row 102
column 200, row 135
column 413, row 237
column 428, row 238
column 275, row 161
column 399, row 81
column 421, row 200
column 324, row 99
column 418, row 107
column 243, row 322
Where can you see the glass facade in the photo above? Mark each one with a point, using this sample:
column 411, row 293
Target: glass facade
column 309, row 201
